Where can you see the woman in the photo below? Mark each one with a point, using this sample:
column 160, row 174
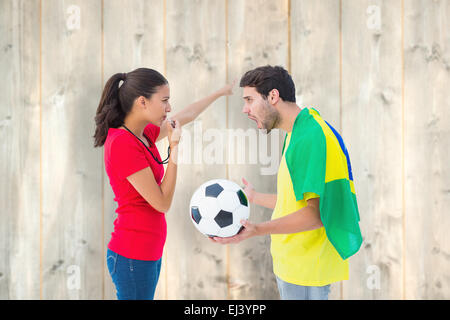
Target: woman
column 130, row 118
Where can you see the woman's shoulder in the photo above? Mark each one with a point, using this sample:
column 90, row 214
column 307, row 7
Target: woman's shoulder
column 117, row 137
column 152, row 131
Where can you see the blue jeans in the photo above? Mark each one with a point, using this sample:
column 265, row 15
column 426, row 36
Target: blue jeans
column 290, row 291
column 134, row 279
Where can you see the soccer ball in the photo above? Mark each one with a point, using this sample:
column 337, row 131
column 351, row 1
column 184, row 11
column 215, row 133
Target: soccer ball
column 217, row 207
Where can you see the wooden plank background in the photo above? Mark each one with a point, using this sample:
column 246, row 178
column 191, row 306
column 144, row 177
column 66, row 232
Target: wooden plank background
column 378, row 70
column 20, row 150
column 71, row 169
column 371, row 104
column 426, row 149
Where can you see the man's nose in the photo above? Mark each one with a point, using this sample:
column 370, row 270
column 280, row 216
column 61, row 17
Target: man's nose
column 245, row 109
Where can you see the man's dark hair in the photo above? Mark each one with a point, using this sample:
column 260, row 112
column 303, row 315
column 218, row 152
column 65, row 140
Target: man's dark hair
column 266, row 78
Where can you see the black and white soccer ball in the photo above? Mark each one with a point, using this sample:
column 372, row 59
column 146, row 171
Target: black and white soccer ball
column 217, row 207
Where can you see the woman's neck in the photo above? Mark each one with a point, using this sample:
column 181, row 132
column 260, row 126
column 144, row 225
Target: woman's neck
column 136, row 126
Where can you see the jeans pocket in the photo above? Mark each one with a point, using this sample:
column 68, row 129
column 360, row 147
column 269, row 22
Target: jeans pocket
column 111, row 261
column 327, row 291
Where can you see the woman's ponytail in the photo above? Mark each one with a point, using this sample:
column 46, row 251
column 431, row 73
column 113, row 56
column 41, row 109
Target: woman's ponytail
column 116, row 102
column 109, row 112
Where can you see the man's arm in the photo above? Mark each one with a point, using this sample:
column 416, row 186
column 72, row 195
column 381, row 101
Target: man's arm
column 305, row 219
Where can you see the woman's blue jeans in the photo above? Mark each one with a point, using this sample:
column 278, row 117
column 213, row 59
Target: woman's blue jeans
column 134, row 279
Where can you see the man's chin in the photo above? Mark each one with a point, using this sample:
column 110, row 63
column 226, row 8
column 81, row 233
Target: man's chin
column 262, row 126
column 264, row 129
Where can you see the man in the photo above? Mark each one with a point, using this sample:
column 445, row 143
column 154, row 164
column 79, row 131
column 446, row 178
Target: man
column 314, row 226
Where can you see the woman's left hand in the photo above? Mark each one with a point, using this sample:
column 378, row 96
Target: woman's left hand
column 227, row 90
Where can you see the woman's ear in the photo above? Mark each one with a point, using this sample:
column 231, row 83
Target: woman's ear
column 140, row 101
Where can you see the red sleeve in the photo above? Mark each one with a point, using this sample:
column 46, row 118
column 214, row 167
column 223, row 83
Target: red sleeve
column 127, row 156
column 152, row 131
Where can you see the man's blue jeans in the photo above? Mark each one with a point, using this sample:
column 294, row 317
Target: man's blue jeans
column 134, row 279
column 290, row 291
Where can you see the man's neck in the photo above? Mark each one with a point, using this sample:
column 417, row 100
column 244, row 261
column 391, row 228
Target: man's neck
column 288, row 114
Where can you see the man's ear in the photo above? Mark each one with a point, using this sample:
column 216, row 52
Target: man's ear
column 274, row 96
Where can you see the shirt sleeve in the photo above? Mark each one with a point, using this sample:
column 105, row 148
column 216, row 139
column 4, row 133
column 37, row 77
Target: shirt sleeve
column 127, row 157
column 310, row 195
column 306, row 162
column 152, row 131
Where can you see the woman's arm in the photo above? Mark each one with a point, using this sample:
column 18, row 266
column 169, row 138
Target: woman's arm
column 159, row 196
column 193, row 110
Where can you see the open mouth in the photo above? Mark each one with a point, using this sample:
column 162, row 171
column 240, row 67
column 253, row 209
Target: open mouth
column 258, row 123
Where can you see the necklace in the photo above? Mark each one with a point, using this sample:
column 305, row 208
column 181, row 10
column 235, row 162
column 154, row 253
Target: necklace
column 156, row 159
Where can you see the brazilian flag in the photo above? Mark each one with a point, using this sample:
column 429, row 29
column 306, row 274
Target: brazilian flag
column 318, row 162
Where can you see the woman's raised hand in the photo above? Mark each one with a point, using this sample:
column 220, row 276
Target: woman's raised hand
column 227, row 90
column 173, row 132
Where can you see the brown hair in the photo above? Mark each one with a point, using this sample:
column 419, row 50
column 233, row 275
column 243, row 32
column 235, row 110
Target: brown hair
column 116, row 101
column 266, row 78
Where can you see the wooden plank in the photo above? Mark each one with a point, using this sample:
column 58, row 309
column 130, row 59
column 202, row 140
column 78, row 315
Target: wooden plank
column 137, row 41
column 315, row 71
column 257, row 35
column 195, row 68
column 19, row 150
column 426, row 149
column 71, row 194
column 413, row 267
column 371, row 128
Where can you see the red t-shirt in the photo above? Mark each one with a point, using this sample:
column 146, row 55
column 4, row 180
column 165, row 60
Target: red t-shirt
column 139, row 230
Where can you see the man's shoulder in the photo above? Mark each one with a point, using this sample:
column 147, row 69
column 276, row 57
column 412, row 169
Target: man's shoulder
column 311, row 132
